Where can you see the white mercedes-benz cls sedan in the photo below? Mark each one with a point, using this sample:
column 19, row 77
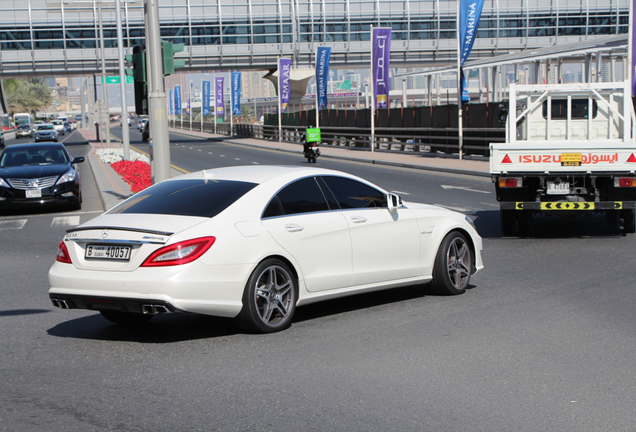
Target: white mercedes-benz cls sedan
column 255, row 242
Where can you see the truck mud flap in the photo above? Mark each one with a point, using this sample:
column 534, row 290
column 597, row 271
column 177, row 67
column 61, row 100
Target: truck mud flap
column 567, row 205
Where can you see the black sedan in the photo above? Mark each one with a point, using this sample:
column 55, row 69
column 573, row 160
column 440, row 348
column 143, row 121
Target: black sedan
column 38, row 174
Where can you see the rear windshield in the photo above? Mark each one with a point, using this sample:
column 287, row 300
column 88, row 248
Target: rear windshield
column 193, row 197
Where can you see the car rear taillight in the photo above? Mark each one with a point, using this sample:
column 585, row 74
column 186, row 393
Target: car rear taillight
column 510, row 182
column 179, row 253
column 62, row 254
column 624, row 181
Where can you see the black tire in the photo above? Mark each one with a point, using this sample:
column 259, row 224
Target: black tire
column 525, row 222
column 508, row 218
column 313, row 158
column 611, row 221
column 269, row 299
column 453, row 265
column 629, row 221
column 125, row 318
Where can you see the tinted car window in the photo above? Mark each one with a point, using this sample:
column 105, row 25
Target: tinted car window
column 194, row 197
column 302, row 196
column 353, row 194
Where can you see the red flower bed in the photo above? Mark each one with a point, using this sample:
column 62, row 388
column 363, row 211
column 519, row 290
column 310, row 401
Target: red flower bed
column 136, row 174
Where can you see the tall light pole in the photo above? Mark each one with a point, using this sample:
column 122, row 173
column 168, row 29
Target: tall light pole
column 104, row 85
column 157, row 99
column 122, row 73
column 125, row 135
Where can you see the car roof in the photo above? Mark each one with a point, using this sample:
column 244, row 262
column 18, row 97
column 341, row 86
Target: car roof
column 261, row 173
column 35, row 146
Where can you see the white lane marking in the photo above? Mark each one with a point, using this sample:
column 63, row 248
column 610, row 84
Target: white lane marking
column 489, row 204
column 465, row 188
column 13, row 224
column 199, row 150
column 401, row 193
column 254, row 163
column 237, row 159
column 222, row 155
column 61, row 221
column 209, row 152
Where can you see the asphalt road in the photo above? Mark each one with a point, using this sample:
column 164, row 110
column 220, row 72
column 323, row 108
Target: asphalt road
column 543, row 340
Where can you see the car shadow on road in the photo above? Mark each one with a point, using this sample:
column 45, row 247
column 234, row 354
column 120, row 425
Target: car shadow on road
column 488, row 225
column 185, row 327
column 159, row 330
column 366, row 301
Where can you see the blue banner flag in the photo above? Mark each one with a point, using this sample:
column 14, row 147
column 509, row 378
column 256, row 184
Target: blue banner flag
column 323, row 55
column 469, row 15
column 236, row 93
column 218, row 96
column 284, row 82
column 380, row 64
column 206, row 97
column 171, row 101
column 177, row 100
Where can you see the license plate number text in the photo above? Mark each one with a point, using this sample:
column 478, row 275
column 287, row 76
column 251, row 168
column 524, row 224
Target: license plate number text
column 108, row 252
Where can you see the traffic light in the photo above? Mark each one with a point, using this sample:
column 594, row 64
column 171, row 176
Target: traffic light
column 169, row 63
column 138, row 59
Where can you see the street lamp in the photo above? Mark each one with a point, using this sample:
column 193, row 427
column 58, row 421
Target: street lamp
column 122, row 74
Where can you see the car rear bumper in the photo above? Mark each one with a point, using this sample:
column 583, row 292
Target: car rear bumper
column 194, row 288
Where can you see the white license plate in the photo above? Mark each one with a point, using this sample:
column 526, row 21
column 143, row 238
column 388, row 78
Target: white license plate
column 121, row 253
column 34, row 193
column 562, row 188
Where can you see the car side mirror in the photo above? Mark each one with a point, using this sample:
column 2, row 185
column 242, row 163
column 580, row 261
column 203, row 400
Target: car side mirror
column 78, row 159
column 394, row 203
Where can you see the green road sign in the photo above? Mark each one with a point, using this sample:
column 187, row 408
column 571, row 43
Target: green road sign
column 116, row 80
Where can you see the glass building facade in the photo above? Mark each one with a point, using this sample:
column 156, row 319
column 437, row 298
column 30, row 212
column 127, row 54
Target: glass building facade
column 49, row 36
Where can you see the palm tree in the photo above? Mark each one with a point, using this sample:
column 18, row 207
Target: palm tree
column 27, row 95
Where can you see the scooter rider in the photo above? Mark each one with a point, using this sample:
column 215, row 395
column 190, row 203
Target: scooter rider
column 306, row 145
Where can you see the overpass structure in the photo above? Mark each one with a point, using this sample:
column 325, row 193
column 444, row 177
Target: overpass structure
column 61, row 37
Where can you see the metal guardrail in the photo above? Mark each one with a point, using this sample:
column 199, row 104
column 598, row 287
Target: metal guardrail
column 423, row 140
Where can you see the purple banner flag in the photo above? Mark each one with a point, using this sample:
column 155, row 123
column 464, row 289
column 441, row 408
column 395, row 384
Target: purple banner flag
column 284, row 84
column 218, row 96
column 380, row 64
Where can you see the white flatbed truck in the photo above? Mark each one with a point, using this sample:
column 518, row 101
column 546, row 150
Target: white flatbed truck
column 569, row 150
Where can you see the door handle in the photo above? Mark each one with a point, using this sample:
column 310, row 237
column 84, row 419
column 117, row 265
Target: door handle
column 294, row 228
column 358, row 219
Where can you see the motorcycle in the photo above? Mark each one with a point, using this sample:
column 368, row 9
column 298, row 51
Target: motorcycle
column 310, row 150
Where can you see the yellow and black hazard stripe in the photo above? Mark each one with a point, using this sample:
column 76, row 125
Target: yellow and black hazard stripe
column 567, row 205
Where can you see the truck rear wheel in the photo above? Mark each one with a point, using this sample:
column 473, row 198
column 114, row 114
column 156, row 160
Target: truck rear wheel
column 611, row 220
column 525, row 222
column 629, row 221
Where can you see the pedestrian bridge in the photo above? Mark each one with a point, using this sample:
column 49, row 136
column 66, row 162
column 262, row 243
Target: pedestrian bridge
column 56, row 38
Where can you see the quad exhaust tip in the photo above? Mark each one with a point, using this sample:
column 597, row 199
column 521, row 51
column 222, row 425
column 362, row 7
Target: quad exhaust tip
column 148, row 309
column 62, row 304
